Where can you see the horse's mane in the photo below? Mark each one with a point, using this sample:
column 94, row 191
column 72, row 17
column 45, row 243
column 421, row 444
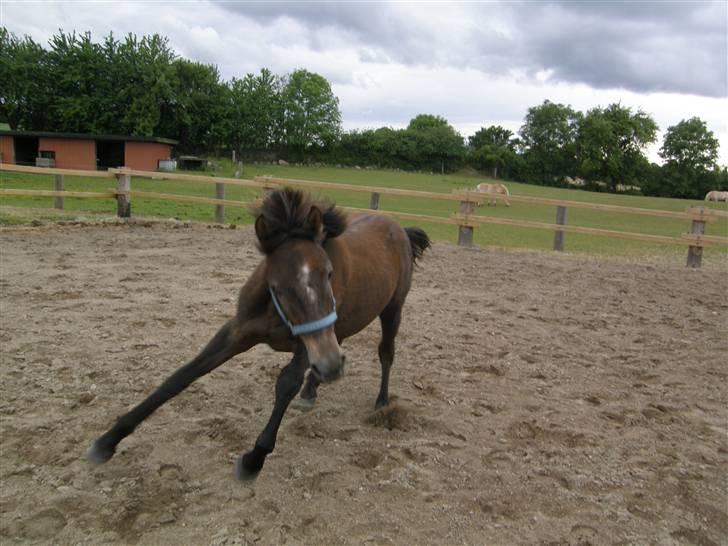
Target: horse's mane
column 285, row 213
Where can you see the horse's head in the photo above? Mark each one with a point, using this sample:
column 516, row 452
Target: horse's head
column 291, row 230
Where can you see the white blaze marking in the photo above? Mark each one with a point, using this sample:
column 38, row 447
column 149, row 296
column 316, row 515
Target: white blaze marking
column 305, row 273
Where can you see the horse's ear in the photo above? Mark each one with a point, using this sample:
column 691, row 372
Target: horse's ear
column 334, row 222
column 261, row 229
column 315, row 222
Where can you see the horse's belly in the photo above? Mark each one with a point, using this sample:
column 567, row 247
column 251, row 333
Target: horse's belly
column 363, row 303
column 378, row 265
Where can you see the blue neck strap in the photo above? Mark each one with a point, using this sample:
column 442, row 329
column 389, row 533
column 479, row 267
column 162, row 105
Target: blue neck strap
column 308, row 327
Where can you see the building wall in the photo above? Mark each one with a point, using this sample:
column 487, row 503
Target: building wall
column 144, row 156
column 7, row 151
column 71, row 153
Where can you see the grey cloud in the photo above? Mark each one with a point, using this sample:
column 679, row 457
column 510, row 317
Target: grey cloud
column 640, row 46
column 671, row 47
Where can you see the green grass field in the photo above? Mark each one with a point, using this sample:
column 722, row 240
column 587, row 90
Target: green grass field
column 26, row 209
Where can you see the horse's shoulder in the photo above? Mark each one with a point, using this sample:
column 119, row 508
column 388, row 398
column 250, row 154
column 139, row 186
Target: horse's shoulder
column 253, row 296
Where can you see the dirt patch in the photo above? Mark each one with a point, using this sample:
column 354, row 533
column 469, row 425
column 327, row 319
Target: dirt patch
column 540, row 399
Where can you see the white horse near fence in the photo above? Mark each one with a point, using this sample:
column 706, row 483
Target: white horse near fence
column 493, row 188
column 716, row 196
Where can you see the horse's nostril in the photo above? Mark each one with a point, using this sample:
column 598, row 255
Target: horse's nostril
column 315, row 371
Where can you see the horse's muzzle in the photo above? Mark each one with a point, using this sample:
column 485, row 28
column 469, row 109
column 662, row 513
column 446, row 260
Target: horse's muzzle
column 327, row 372
column 324, row 355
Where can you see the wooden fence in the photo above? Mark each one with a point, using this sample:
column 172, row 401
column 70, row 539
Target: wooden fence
column 465, row 219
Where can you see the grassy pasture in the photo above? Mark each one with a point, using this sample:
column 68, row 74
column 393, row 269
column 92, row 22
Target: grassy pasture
column 504, row 236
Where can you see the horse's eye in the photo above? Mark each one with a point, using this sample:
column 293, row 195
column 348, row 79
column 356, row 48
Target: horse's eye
column 331, row 273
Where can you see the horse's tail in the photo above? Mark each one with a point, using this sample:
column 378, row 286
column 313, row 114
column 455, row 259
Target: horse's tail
column 419, row 241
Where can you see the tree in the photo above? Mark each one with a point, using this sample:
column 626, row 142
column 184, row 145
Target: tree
column 426, row 122
column 690, row 152
column 256, row 116
column 493, row 148
column 691, row 145
column 432, row 143
column 548, row 142
column 84, row 91
column 311, row 116
column 112, row 88
column 611, row 144
column 24, row 82
column 146, row 65
column 197, row 107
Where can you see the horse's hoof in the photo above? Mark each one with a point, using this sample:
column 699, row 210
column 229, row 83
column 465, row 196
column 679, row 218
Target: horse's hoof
column 243, row 474
column 303, row 404
column 98, row 454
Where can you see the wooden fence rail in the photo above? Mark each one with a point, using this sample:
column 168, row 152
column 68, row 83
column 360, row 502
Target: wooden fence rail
column 465, row 219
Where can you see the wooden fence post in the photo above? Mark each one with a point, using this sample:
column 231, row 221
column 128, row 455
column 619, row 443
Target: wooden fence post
column 561, row 221
column 123, row 202
column 465, row 233
column 374, row 201
column 695, row 253
column 58, row 187
column 220, row 209
column 268, row 186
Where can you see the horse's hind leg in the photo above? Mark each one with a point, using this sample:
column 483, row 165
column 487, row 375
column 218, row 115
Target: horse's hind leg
column 230, row 340
column 287, row 386
column 390, row 319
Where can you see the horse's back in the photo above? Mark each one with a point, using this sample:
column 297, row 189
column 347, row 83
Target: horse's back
column 492, row 188
column 375, row 242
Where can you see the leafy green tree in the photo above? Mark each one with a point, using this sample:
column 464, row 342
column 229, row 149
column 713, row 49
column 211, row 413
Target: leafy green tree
column 196, row 108
column 432, row 143
column 611, row 144
column 311, row 116
column 426, row 122
column 492, row 135
column 690, row 144
column 146, row 64
column 24, row 82
column 493, row 148
column 690, row 151
column 256, row 111
column 548, row 142
column 82, row 84
column 135, row 86
column 389, row 148
column 112, row 87
column 359, row 147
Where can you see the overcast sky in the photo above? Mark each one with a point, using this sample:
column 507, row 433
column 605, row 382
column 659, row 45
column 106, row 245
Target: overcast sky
column 474, row 63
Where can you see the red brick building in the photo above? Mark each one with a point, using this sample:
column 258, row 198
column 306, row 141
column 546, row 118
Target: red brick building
column 81, row 151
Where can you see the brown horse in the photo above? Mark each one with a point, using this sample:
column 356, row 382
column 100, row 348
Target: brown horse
column 317, row 267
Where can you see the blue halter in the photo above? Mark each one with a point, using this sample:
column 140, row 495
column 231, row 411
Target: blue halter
column 308, row 327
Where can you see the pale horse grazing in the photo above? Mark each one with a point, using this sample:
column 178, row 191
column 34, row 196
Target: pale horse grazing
column 493, row 188
column 716, row 196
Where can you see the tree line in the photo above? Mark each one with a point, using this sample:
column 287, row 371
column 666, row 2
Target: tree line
column 139, row 86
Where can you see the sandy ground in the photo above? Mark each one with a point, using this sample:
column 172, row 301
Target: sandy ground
column 539, row 399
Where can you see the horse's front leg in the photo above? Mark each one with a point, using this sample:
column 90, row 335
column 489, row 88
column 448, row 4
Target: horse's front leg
column 287, row 386
column 307, row 400
column 234, row 337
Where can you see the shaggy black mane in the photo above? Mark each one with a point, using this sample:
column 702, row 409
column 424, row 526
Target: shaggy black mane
column 285, row 216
